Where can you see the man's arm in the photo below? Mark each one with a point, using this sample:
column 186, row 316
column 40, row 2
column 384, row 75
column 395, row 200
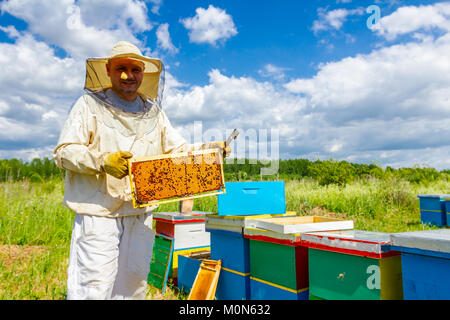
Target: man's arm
column 75, row 150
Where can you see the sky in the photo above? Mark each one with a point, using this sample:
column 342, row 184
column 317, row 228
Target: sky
column 355, row 80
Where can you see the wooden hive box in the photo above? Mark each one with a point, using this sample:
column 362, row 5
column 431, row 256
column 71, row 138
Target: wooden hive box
column 353, row 265
column 425, row 259
column 447, row 209
column 188, row 265
column 229, row 245
column 252, row 198
column 188, row 232
column 278, row 260
column 432, row 209
column 173, row 177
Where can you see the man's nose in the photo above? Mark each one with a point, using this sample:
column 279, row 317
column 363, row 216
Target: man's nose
column 127, row 75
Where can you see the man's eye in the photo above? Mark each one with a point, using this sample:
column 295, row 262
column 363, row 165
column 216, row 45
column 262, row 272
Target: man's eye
column 136, row 70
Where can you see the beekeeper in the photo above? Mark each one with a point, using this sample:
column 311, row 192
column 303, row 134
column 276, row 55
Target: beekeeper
column 118, row 117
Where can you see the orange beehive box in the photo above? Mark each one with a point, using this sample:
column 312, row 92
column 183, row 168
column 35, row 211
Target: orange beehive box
column 174, row 177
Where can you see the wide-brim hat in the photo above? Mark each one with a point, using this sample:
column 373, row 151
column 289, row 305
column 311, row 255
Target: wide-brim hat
column 97, row 78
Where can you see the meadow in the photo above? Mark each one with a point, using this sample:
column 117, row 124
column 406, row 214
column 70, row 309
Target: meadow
column 35, row 228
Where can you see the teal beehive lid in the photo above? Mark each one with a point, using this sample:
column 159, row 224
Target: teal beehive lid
column 252, row 198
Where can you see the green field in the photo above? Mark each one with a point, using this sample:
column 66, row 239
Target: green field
column 35, row 227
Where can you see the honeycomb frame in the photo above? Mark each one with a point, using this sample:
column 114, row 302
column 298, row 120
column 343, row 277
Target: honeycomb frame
column 174, row 177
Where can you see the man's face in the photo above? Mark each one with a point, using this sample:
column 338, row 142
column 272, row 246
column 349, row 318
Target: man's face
column 134, row 71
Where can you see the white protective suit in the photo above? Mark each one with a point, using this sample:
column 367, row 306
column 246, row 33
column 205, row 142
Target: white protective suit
column 111, row 241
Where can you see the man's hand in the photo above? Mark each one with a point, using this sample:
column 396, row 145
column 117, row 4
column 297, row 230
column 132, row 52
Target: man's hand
column 221, row 145
column 116, row 164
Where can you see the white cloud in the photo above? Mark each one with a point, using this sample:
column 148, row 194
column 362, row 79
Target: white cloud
column 37, row 86
column 210, row 25
column 272, row 71
column 164, row 41
column 333, row 19
column 83, row 29
column 35, row 101
column 391, row 105
column 410, row 19
column 11, row 31
column 156, row 5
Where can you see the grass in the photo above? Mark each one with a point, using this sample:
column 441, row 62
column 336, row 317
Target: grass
column 35, row 227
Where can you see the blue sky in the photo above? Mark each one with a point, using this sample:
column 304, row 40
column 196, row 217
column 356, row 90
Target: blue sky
column 311, row 70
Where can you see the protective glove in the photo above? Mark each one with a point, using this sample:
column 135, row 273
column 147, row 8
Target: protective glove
column 221, row 145
column 116, row 164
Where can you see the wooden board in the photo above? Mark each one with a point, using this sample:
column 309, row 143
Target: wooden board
column 241, row 221
column 236, row 223
column 300, row 224
column 270, row 236
column 205, row 283
column 160, row 263
column 176, row 217
column 433, row 241
column 359, row 242
column 168, row 178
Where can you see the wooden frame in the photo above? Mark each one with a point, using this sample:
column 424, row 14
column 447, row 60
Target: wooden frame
column 300, row 224
column 183, row 159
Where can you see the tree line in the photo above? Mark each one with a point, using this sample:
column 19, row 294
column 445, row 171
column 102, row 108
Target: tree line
column 324, row 171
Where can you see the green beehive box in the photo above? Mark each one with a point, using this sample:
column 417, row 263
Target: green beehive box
column 279, row 264
column 277, row 256
column 161, row 262
column 353, row 265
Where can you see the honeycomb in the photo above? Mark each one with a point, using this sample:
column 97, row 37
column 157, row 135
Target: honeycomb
column 176, row 177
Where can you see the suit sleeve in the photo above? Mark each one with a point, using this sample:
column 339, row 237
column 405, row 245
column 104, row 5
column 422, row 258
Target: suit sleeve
column 75, row 151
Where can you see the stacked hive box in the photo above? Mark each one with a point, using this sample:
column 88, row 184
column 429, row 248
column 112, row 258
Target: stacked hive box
column 278, row 260
column 353, row 265
column 447, row 209
column 432, row 209
column 229, row 245
column 188, row 232
column 425, row 263
column 242, row 200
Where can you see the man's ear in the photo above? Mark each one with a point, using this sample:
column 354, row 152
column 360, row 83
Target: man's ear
column 107, row 68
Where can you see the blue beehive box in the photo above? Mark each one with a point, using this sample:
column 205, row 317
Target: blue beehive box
column 233, row 285
column 425, row 259
column 188, row 266
column 252, row 198
column 432, row 209
column 232, row 248
column 447, row 209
